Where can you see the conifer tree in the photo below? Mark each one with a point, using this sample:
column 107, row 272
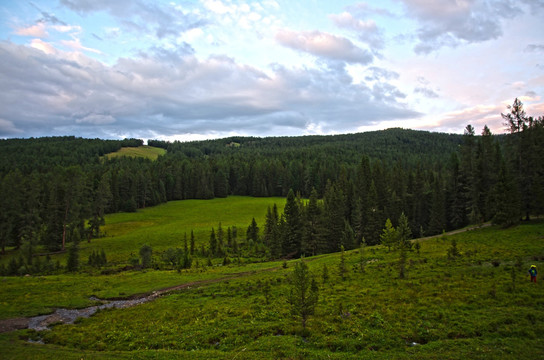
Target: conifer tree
column 389, row 235
column 404, row 232
column 72, row 263
column 374, row 216
column 252, row 233
column 192, row 242
column 325, row 274
column 272, row 232
column 229, row 237
column 312, row 226
column 292, row 229
column 213, row 243
column 304, row 294
column 437, row 222
column 334, row 217
column 508, row 208
column 220, row 236
column 348, row 236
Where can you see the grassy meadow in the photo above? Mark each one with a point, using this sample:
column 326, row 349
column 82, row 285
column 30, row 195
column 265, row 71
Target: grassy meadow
column 148, row 152
column 476, row 305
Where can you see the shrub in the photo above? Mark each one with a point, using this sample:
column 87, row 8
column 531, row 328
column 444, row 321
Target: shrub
column 146, row 253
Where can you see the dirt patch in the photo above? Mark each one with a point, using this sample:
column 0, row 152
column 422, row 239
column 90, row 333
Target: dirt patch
column 13, row 324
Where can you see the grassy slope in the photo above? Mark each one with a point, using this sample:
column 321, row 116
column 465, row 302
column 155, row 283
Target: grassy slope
column 162, row 227
column 148, row 152
column 165, row 226
column 464, row 308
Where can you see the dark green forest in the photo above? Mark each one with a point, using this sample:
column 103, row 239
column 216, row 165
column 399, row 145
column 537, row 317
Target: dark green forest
column 340, row 189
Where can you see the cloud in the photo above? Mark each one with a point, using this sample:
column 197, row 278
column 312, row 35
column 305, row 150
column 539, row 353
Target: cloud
column 324, row 45
column 451, row 23
column 96, row 119
column 37, row 30
column 367, row 31
column 380, row 74
column 363, row 9
column 163, row 20
column 7, row 128
column 426, row 92
column 43, row 46
column 534, row 48
column 173, row 92
column 75, row 44
column 478, row 116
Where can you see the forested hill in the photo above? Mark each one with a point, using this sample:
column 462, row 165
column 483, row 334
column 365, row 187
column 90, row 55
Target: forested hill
column 41, row 154
column 392, row 145
column 58, row 189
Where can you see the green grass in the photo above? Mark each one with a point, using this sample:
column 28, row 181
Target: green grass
column 462, row 308
column 165, row 226
column 148, row 152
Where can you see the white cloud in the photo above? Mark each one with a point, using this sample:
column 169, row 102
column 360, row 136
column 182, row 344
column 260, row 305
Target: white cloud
column 43, row 46
column 324, row 45
column 75, row 44
column 37, row 30
column 67, row 28
column 217, row 7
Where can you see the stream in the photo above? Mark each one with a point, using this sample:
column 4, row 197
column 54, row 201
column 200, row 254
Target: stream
column 69, row 316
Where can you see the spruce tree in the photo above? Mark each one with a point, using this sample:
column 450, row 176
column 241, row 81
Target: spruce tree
column 437, row 222
column 508, row 208
column 304, row 294
column 404, row 232
column 292, row 229
column 252, row 233
column 220, row 236
column 389, row 235
column 72, row 263
column 348, row 236
column 213, row 243
column 334, row 217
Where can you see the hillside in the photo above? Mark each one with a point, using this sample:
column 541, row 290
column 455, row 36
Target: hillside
column 146, row 152
column 473, row 303
column 56, row 190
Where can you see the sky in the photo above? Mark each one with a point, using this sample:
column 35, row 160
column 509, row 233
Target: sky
column 193, row 70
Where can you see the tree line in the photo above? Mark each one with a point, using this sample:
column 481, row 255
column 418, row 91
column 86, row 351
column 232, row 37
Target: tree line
column 57, row 190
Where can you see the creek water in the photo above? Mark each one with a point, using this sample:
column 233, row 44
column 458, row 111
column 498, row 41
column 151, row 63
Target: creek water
column 69, row 316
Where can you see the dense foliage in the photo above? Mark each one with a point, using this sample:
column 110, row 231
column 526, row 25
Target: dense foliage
column 56, row 190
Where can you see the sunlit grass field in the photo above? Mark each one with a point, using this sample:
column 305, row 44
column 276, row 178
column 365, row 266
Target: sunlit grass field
column 148, row 152
column 478, row 305
column 166, row 225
